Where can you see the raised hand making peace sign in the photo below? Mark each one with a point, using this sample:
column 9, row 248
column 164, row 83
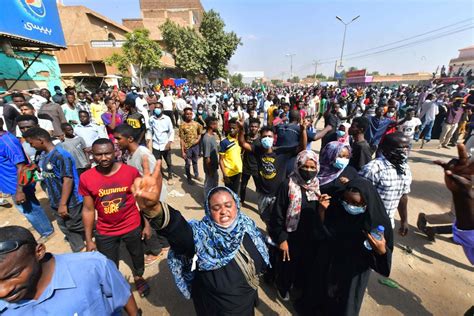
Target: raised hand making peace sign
column 147, row 189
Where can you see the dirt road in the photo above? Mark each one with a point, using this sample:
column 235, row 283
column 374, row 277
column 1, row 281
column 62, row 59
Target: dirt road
column 435, row 279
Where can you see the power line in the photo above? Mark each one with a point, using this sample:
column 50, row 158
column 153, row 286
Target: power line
column 421, row 41
column 414, row 43
column 470, row 20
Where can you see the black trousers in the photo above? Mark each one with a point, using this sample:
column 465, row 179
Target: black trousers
column 176, row 117
column 72, row 227
column 243, row 185
column 155, row 244
column 293, row 272
column 233, row 182
column 109, row 246
column 171, row 116
column 81, row 171
column 166, row 156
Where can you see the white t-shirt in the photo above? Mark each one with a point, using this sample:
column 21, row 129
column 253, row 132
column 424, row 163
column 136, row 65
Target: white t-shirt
column 429, row 110
column 167, row 103
column 44, row 124
column 37, row 101
column 267, row 105
column 408, row 128
column 181, row 104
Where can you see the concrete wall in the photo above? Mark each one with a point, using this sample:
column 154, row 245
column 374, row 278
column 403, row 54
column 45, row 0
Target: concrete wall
column 80, row 26
column 170, row 4
column 44, row 73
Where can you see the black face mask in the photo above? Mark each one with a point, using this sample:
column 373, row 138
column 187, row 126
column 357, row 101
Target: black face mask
column 398, row 157
column 307, row 175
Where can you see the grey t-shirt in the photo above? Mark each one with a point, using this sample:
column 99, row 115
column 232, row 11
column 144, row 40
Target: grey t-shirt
column 136, row 160
column 210, row 149
column 75, row 146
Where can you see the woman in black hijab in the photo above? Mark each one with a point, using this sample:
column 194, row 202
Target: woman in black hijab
column 344, row 263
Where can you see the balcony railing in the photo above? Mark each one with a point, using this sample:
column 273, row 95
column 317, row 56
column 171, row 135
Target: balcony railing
column 107, row 44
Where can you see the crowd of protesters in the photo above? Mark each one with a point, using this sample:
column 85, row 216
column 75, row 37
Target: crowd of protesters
column 329, row 218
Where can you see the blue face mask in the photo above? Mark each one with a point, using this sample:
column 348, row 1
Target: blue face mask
column 340, row 133
column 353, row 209
column 267, row 142
column 157, row 112
column 341, row 163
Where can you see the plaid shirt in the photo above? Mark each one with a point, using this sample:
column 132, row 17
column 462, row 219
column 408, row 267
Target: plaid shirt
column 84, row 107
column 390, row 185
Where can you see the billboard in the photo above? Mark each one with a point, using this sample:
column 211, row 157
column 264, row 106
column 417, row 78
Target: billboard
column 32, row 20
column 356, row 73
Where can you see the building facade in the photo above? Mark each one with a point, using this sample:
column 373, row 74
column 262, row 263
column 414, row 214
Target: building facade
column 43, row 73
column 155, row 12
column 90, row 38
column 463, row 65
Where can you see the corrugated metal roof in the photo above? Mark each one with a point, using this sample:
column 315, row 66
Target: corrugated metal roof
column 18, row 41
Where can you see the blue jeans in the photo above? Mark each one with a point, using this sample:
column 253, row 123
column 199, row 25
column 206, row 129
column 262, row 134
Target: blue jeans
column 34, row 213
column 425, row 129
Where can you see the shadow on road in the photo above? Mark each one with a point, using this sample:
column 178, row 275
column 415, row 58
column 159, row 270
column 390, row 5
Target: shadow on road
column 166, row 294
column 403, row 300
column 437, row 155
column 417, row 241
column 434, row 192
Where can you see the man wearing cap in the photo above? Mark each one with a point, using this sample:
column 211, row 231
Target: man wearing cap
column 35, row 282
column 59, row 97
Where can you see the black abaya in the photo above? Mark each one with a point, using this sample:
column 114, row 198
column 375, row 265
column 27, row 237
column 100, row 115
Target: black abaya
column 343, row 264
column 300, row 242
column 223, row 291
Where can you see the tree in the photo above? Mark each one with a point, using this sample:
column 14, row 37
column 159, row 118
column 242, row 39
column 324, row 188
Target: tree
column 207, row 51
column 277, row 82
column 319, row 76
column 220, row 45
column 353, row 68
column 138, row 51
column 295, row 79
column 188, row 47
column 236, row 80
column 374, row 73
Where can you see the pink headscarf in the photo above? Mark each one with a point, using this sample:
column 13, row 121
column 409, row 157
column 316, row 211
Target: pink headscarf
column 294, row 190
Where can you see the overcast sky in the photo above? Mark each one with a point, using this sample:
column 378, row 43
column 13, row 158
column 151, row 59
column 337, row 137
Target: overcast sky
column 308, row 28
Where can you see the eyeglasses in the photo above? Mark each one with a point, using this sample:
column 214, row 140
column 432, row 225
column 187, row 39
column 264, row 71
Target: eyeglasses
column 12, row 245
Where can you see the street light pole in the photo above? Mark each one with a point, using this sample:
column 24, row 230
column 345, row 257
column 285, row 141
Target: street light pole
column 291, row 64
column 315, row 63
column 344, row 37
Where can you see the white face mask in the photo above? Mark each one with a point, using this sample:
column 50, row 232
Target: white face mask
column 390, row 114
column 228, row 228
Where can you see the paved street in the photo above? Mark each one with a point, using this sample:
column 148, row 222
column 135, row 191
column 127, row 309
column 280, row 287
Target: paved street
column 438, row 272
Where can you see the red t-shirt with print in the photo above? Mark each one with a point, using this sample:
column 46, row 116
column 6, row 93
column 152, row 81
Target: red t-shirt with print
column 117, row 211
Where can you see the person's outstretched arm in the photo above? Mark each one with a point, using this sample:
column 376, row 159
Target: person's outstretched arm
column 458, row 174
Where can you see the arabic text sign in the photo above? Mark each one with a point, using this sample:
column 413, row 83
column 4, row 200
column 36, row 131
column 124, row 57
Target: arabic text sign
column 36, row 20
column 356, row 73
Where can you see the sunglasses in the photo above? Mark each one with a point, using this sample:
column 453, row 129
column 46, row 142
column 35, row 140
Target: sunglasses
column 8, row 246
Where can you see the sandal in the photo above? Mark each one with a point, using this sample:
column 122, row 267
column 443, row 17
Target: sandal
column 142, row 286
column 151, row 259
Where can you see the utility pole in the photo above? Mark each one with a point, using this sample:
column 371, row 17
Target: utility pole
column 291, row 64
column 315, row 63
